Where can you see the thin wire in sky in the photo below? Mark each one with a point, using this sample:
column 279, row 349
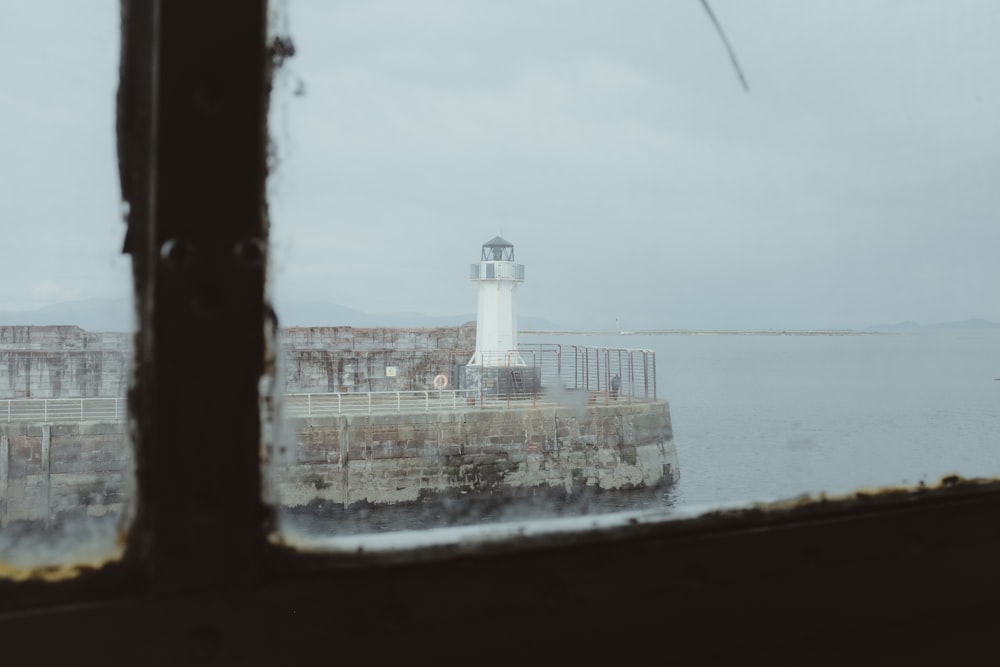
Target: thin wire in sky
column 732, row 54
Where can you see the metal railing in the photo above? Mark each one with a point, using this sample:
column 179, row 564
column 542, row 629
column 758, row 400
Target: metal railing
column 556, row 372
column 63, row 409
column 491, row 270
column 338, row 403
column 619, row 372
column 533, row 375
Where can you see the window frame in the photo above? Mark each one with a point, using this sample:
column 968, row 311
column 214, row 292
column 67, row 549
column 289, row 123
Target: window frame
column 203, row 567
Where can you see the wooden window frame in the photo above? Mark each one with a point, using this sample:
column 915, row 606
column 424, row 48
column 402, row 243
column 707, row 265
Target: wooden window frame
column 203, row 578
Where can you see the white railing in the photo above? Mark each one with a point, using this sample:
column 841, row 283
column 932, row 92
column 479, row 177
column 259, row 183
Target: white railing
column 319, row 405
column 63, row 409
column 47, row 410
column 628, row 374
column 497, row 271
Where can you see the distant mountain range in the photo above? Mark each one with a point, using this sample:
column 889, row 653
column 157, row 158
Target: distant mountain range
column 327, row 314
column 116, row 315
column 975, row 323
column 89, row 314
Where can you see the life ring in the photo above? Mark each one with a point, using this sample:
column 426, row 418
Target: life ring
column 440, row 382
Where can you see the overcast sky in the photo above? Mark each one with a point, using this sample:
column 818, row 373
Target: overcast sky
column 611, row 142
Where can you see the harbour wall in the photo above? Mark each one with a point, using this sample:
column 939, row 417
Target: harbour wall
column 395, row 458
column 68, row 362
column 346, row 359
column 48, row 471
column 63, row 362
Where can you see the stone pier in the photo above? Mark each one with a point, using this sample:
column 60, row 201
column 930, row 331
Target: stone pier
column 394, row 458
column 577, row 438
column 48, row 471
column 52, row 470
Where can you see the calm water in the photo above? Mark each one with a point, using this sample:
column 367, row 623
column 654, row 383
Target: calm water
column 763, row 417
column 766, row 417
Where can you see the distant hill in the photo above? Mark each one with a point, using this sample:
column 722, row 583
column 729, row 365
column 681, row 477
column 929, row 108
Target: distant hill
column 327, row 314
column 116, row 315
column 975, row 323
column 89, row 314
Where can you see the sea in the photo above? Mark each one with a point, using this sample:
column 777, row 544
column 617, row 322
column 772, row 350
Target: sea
column 763, row 416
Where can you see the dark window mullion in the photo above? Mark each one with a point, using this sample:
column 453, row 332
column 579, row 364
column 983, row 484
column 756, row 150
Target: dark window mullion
column 203, row 516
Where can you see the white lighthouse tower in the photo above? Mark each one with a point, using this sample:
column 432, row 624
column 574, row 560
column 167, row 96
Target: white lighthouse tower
column 497, row 277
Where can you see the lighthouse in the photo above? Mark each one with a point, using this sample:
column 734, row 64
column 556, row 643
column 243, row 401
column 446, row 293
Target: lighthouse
column 497, row 277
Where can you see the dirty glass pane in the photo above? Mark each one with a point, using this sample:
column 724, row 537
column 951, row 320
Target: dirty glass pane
column 793, row 243
column 65, row 308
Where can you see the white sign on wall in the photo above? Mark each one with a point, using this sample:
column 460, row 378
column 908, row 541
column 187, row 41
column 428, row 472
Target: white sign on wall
column 390, row 371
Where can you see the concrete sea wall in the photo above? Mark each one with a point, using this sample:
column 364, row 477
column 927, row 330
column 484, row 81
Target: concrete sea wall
column 394, row 458
column 51, row 470
column 347, row 359
column 48, row 470
column 68, row 362
column 63, row 362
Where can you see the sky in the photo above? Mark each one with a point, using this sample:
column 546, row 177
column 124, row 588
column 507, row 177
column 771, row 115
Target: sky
column 612, row 143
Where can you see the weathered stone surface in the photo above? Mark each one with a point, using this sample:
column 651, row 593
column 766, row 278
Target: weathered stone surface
column 55, row 468
column 345, row 359
column 481, row 451
column 68, row 362
column 62, row 362
column 380, row 458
